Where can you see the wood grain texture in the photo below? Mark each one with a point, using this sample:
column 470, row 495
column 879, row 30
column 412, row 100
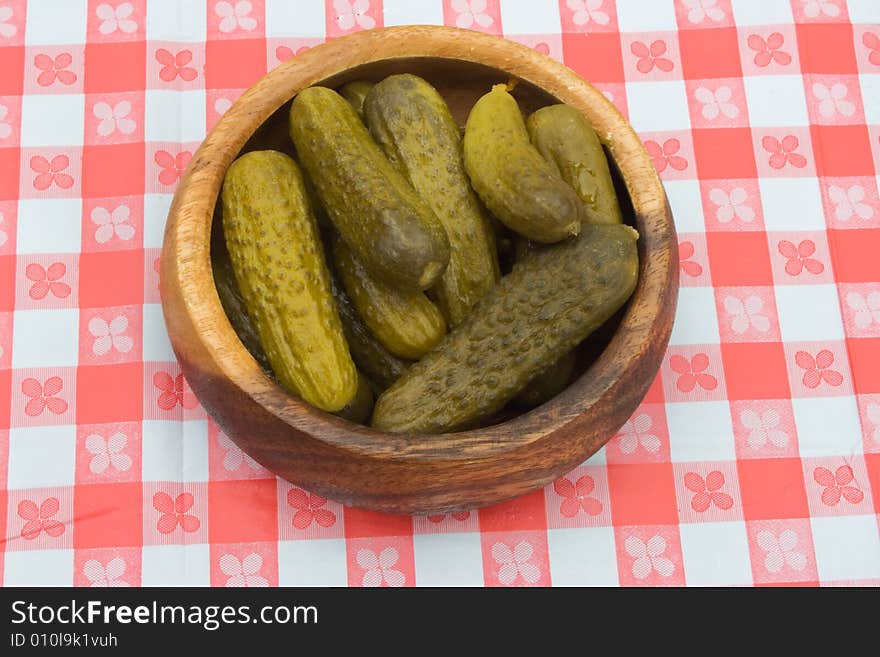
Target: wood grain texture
column 397, row 473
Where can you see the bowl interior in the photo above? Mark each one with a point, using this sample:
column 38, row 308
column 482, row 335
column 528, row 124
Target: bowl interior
column 461, row 83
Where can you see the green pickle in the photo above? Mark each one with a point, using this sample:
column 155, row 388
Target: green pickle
column 390, row 229
column 552, row 300
column 276, row 254
column 412, row 123
column 407, row 324
column 568, row 142
column 511, row 177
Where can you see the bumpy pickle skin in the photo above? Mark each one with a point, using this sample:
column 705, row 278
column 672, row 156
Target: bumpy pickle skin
column 388, row 226
column 407, row 324
column 553, row 299
column 276, row 254
column 568, row 142
column 511, row 177
column 410, row 120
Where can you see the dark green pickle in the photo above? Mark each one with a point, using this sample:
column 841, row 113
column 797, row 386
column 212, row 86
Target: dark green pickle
column 568, row 142
column 552, row 300
column 410, row 120
column 511, row 177
column 389, row 228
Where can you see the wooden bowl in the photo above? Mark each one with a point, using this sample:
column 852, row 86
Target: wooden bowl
column 398, row 473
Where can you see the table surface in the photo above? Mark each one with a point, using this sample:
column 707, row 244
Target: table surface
column 755, row 457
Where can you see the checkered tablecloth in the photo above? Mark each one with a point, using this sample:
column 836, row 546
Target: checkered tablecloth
column 754, row 459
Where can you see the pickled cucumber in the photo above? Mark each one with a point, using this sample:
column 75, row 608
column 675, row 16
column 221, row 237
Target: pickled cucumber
column 390, row 229
column 273, row 243
column 381, row 367
column 568, row 142
column 234, row 306
column 550, row 302
column 355, row 92
column 511, row 177
column 413, row 125
column 407, row 324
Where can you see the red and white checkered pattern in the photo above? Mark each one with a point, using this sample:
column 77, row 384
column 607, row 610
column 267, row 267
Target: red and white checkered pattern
column 755, row 457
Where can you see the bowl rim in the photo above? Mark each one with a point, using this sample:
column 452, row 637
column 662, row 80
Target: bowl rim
column 186, row 245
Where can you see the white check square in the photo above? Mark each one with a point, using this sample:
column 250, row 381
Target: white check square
column 175, row 451
column 696, row 318
column 56, row 22
column 413, row 12
column 716, row 554
column 448, row 559
column 641, row 16
column 303, row 18
column 700, row 431
column 522, row 17
column 177, row 20
column 42, row 457
column 52, row 120
column 583, row 557
column 174, row 116
column 48, row 568
column 49, row 225
column 658, row 105
column 776, row 101
column 45, row 338
column 176, row 565
column 312, row 563
column 809, row 313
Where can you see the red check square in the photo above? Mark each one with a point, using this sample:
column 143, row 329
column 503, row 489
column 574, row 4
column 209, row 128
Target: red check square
column 642, row 494
column 114, row 67
column 113, row 278
column 712, row 53
column 826, row 48
column 105, row 393
column 116, row 170
column 738, row 259
column 864, row 354
column 725, row 153
column 772, row 489
column 234, row 63
column 594, row 56
column 107, row 515
column 755, row 370
column 242, row 511
column 12, row 65
column 854, row 253
column 842, row 150
column 360, row 523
